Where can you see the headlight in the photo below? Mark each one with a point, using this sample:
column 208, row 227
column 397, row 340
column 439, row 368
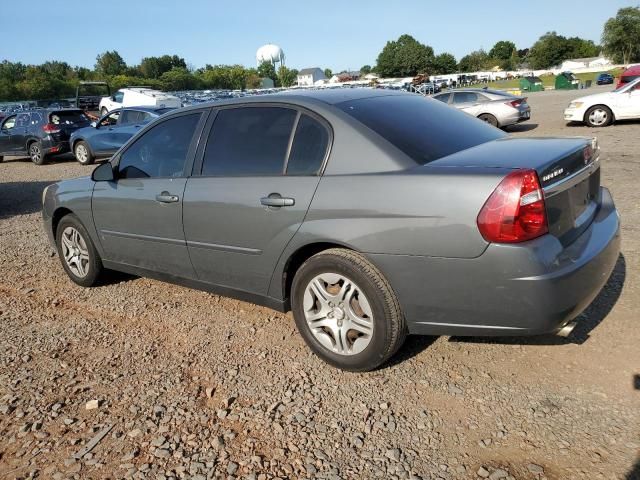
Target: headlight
column 576, row 104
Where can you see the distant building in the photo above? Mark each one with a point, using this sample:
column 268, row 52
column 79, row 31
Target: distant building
column 309, row 76
column 591, row 62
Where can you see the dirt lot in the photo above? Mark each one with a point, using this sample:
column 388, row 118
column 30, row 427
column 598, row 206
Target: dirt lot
column 198, row 386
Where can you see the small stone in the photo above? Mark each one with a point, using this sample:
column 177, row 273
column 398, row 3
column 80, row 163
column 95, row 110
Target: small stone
column 158, row 441
column 136, row 432
column 498, row 474
column 217, row 442
column 393, row 454
column 161, row 453
column 232, row 468
column 384, row 406
column 69, row 421
column 454, row 390
column 26, row 358
column 92, row 404
column 209, row 391
column 483, row 472
column 535, row 469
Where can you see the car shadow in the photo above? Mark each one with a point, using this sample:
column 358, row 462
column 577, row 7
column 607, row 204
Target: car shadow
column 62, row 158
column 21, row 198
column 588, row 320
column 634, row 473
column 521, row 127
column 414, row 345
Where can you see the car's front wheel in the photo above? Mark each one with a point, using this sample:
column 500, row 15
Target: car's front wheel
column 83, row 153
column 346, row 311
column 598, row 116
column 78, row 255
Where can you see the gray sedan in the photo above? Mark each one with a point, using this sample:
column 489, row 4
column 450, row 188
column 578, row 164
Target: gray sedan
column 338, row 206
column 500, row 109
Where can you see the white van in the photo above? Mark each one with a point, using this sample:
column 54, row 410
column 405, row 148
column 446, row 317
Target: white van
column 138, row 97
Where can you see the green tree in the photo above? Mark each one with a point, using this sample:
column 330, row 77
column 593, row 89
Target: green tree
column 404, row 57
column 621, row 36
column 328, row 72
column 179, row 78
column 267, row 70
column 552, row 49
column 502, row 50
column 287, row 77
column 110, row 63
column 154, row 67
column 365, row 69
column 444, row 63
column 475, row 61
column 580, row 48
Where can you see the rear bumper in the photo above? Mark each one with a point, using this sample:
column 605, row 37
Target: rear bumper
column 53, row 147
column 526, row 289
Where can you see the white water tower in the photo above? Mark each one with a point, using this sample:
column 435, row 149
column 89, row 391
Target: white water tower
column 270, row 53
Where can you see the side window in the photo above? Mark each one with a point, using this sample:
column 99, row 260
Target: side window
column 118, row 96
column 9, row 123
column 162, row 151
column 129, row 117
column 309, row 147
column 464, row 97
column 145, row 117
column 248, row 141
column 22, row 120
column 36, row 118
column 444, row 98
column 110, row 119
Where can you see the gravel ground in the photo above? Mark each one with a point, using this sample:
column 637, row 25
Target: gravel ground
column 190, row 385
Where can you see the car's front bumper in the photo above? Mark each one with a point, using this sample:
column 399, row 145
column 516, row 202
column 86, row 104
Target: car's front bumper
column 521, row 289
column 574, row 114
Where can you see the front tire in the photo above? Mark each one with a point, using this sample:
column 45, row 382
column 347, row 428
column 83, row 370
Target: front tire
column 36, row 154
column 346, row 311
column 78, row 255
column 83, row 154
column 598, row 116
column 490, row 119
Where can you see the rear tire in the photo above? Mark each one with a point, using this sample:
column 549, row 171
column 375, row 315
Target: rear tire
column 78, row 255
column 490, row 119
column 36, row 154
column 598, row 116
column 346, row 311
column 83, row 154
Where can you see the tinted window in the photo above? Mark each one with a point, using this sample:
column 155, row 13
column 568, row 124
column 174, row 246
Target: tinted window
column 110, row 119
column 36, row 118
column 443, row 98
column 9, row 123
column 422, row 128
column 162, row 151
column 22, row 120
column 248, row 141
column 309, row 147
column 464, row 97
column 129, row 117
column 68, row 117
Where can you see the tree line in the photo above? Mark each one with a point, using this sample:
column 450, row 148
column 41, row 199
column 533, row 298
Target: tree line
column 399, row 58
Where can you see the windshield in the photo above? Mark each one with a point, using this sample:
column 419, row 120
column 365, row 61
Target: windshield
column 626, row 87
column 424, row 129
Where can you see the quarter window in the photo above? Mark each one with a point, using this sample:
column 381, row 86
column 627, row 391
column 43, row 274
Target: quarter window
column 248, row 141
column 162, row 151
column 309, row 147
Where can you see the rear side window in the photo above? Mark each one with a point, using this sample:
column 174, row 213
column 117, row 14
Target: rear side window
column 130, row 117
column 309, row 147
column 465, row 97
column 248, row 141
column 162, row 151
column 422, row 128
column 68, row 117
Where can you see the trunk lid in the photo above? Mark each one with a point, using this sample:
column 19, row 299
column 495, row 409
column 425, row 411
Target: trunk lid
column 568, row 170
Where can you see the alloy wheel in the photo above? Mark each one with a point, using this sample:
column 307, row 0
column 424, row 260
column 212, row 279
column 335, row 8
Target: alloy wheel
column 598, row 117
column 81, row 153
column 75, row 252
column 338, row 313
column 35, row 153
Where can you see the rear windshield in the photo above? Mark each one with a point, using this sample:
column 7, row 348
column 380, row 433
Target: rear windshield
column 68, row 117
column 424, row 129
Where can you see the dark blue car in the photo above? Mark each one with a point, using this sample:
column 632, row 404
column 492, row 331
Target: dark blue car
column 604, row 79
column 110, row 132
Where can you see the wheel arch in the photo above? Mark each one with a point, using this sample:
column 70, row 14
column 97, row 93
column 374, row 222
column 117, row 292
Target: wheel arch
column 58, row 215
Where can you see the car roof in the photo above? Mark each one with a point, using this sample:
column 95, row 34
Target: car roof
column 631, row 70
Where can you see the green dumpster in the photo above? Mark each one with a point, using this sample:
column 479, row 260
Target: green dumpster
column 531, row 84
column 567, row 81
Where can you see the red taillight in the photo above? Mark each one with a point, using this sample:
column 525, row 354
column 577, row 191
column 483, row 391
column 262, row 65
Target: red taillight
column 515, row 211
column 516, row 103
column 50, row 128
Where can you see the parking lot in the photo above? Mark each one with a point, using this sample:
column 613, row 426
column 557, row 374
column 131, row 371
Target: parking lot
column 193, row 385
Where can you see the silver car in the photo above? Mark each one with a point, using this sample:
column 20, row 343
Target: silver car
column 500, row 109
column 365, row 212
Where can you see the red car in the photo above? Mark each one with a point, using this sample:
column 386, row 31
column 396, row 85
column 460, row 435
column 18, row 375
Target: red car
column 629, row 75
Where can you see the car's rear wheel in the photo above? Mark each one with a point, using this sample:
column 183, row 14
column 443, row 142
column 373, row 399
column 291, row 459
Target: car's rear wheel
column 36, row 154
column 598, row 116
column 83, row 153
column 490, row 119
column 346, row 311
column 78, row 255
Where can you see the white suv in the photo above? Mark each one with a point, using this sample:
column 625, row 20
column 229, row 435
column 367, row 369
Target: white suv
column 138, row 97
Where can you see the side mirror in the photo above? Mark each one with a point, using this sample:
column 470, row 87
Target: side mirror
column 103, row 173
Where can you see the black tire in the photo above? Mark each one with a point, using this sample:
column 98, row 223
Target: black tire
column 83, row 154
column 490, row 119
column 36, row 154
column 595, row 121
column 389, row 329
column 93, row 265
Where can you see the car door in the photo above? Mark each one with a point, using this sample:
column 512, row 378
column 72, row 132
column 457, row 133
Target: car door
column 18, row 136
column 467, row 102
column 6, row 132
column 629, row 103
column 138, row 216
column 103, row 141
column 129, row 123
column 251, row 192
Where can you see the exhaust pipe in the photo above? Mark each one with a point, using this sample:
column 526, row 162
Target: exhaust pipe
column 567, row 329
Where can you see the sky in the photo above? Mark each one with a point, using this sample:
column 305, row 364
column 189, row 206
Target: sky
column 332, row 34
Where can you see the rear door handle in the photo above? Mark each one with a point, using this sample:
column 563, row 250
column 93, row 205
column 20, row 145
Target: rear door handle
column 166, row 197
column 275, row 200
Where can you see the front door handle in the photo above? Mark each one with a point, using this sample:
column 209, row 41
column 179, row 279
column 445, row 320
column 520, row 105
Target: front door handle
column 275, row 200
column 166, row 197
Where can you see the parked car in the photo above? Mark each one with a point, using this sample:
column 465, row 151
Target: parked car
column 336, row 204
column 603, row 109
column 497, row 108
column 40, row 133
column 105, row 136
column 629, row 75
column 604, row 79
column 138, row 96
